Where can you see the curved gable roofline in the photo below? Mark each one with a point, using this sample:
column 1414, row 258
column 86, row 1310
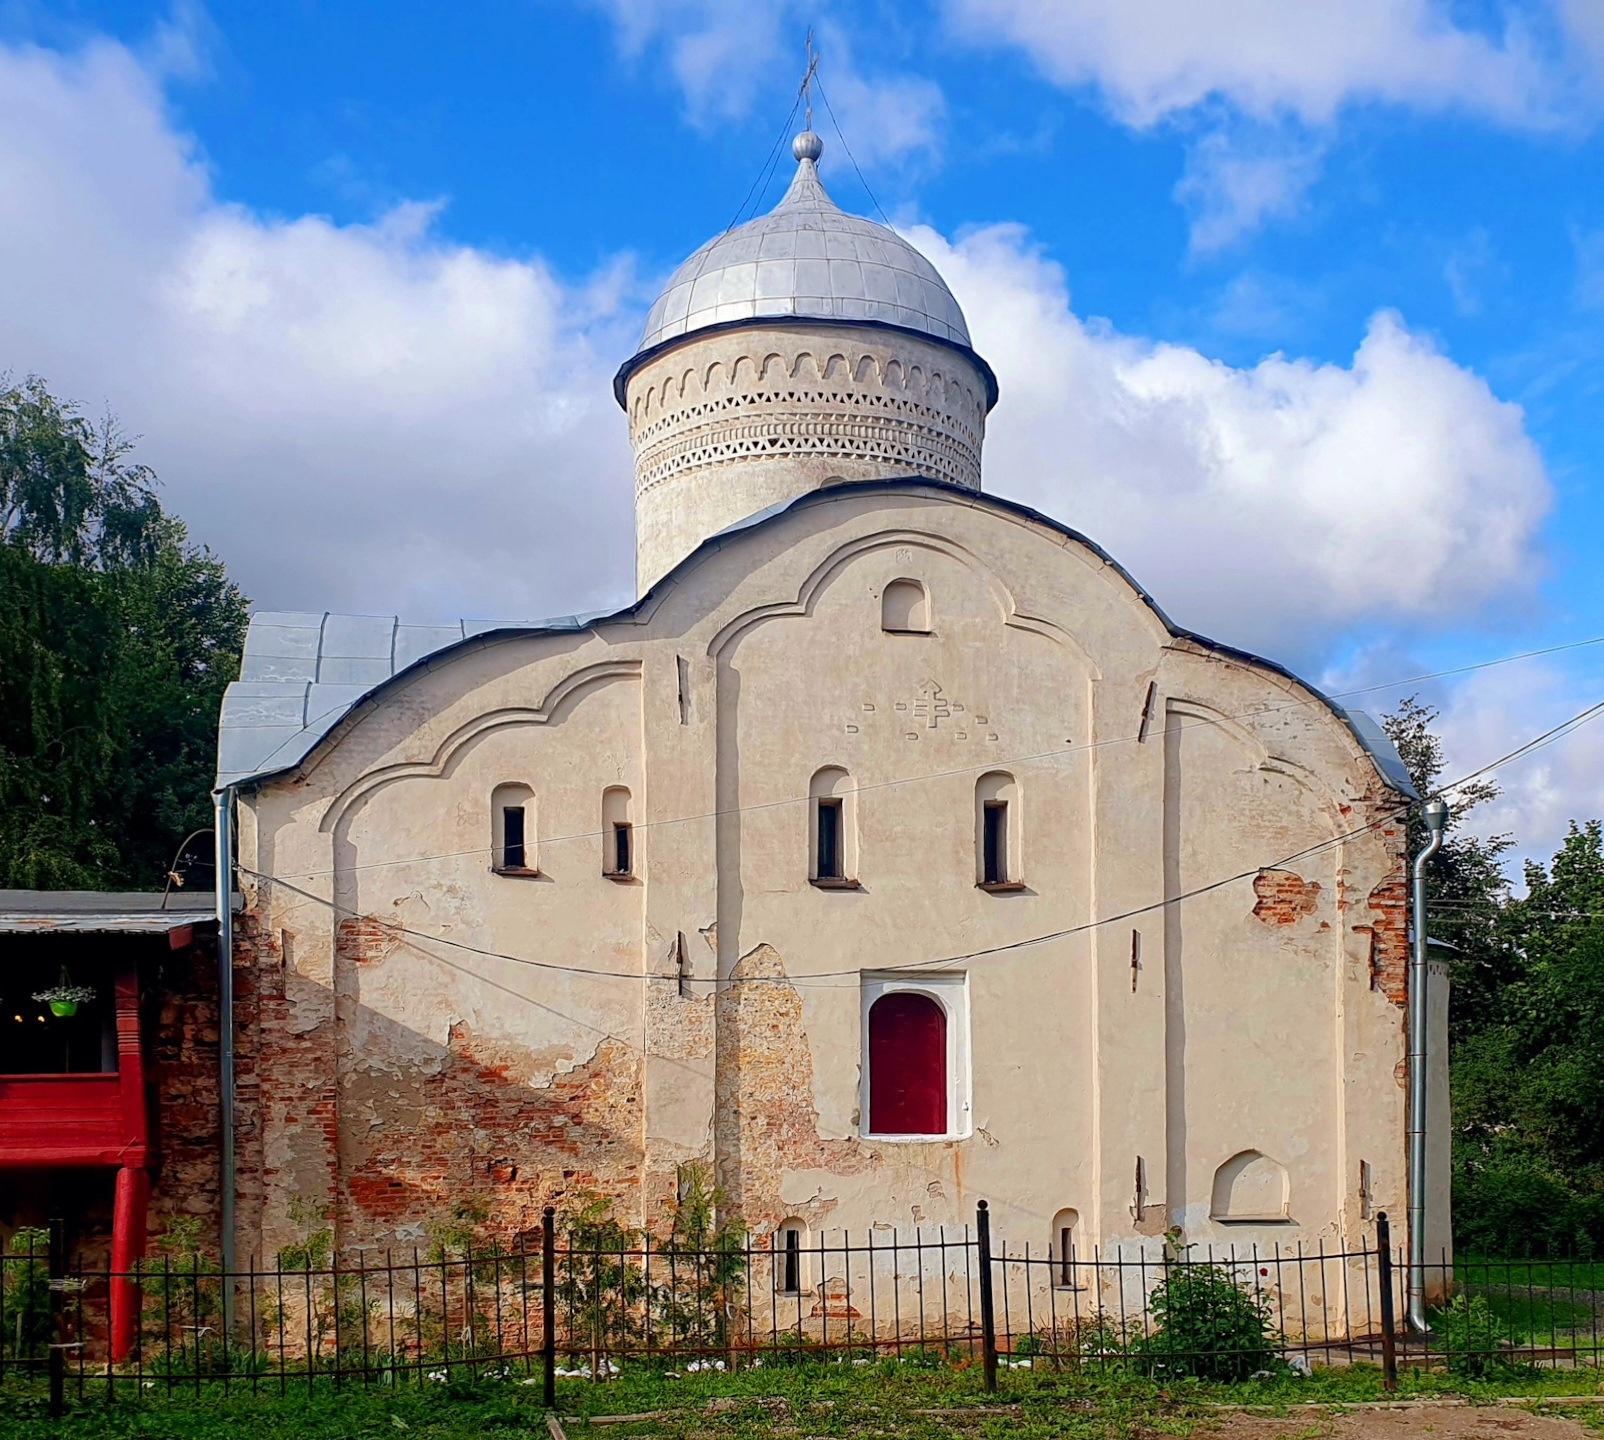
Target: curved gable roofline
column 304, row 675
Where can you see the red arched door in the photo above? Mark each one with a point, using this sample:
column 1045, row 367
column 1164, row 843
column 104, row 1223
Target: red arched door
column 907, row 1065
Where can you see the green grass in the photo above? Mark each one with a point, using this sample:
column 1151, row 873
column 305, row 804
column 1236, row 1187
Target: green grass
column 1482, row 1270
column 1537, row 1303
column 883, row 1399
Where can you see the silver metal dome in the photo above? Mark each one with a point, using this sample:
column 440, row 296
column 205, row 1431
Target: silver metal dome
column 807, row 258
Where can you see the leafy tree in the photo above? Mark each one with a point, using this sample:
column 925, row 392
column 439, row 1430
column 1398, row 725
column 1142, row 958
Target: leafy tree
column 117, row 638
column 1528, row 1084
column 1466, row 888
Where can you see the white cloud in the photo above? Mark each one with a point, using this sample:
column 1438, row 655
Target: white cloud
column 361, row 417
column 1257, row 82
column 1471, row 263
column 718, row 52
column 1491, row 714
column 1237, row 178
column 1270, row 59
column 1275, row 506
column 1589, row 246
column 370, row 417
column 725, row 56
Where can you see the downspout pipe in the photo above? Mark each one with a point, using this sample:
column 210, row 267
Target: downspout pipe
column 1435, row 813
column 224, row 801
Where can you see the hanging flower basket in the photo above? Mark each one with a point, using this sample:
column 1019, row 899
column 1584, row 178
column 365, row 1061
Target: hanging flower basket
column 64, row 999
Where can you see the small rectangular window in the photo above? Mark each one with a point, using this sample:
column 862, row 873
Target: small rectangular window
column 620, row 857
column 793, row 1262
column 1066, row 1252
column 512, row 838
column 829, row 856
column 995, row 843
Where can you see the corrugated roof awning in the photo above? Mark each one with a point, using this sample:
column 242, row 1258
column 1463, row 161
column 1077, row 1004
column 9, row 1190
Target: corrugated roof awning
column 102, row 912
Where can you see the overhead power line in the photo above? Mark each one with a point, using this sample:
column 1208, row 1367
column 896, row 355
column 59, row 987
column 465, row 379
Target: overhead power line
column 1391, row 814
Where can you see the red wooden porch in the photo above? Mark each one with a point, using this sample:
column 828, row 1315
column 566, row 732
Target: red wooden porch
column 73, row 1086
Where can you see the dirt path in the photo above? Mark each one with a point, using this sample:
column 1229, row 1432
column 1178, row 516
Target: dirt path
column 1436, row 1422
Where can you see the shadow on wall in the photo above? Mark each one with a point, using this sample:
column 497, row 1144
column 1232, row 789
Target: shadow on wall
column 399, row 1142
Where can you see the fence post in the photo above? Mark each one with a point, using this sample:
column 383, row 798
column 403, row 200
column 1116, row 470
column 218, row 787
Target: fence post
column 548, row 1303
column 1389, row 1343
column 56, row 1275
column 988, row 1313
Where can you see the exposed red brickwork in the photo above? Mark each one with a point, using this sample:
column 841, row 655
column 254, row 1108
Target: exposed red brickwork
column 1389, row 936
column 366, row 939
column 766, row 1120
column 179, row 1030
column 1284, row 898
column 478, row 1135
column 183, row 1062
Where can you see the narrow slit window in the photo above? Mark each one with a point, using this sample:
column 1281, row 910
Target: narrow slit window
column 513, row 830
column 618, row 834
column 995, row 842
column 791, row 1278
column 829, row 855
column 1063, row 1246
column 512, row 838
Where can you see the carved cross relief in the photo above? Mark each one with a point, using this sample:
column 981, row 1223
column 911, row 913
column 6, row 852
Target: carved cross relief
column 930, row 708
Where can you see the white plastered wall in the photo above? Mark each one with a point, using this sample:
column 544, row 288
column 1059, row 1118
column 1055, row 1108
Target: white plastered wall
column 1146, row 766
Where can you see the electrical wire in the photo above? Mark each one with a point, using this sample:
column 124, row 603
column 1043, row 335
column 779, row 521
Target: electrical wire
column 841, row 135
column 760, row 186
column 993, row 763
column 1386, row 817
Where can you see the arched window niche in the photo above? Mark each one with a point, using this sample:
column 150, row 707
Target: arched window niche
column 790, row 1257
column 915, row 1056
column 1062, row 1247
column 1251, row 1189
column 832, row 830
column 998, row 829
column 513, row 848
column 618, row 834
column 905, row 608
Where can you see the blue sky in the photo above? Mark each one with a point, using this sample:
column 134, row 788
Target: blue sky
column 359, row 274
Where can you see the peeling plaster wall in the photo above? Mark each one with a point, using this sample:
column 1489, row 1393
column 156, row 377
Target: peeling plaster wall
column 432, row 1034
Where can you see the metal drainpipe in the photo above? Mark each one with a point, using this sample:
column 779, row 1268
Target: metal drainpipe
column 1435, row 814
column 224, row 801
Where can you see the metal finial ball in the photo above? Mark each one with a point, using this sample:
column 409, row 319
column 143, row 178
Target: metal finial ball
column 807, row 146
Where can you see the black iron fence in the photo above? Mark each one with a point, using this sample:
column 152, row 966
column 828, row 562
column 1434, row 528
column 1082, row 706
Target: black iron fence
column 576, row 1305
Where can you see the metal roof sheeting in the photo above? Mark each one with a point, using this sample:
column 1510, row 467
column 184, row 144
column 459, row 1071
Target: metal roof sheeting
column 101, row 912
column 807, row 258
column 304, row 671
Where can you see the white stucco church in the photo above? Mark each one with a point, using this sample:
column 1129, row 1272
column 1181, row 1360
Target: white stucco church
column 892, row 849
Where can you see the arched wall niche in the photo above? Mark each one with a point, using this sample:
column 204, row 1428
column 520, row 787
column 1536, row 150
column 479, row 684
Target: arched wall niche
column 832, row 827
column 1063, row 1246
column 999, row 832
column 724, row 643
column 1251, row 1187
column 514, row 831
column 791, row 1257
column 619, row 861
column 692, row 385
column 905, row 607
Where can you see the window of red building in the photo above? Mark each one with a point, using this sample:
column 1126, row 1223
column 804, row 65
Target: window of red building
column 907, row 1065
